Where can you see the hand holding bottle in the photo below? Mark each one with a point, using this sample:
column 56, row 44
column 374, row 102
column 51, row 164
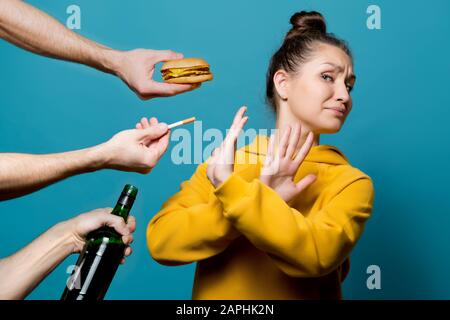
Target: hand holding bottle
column 24, row 270
column 79, row 227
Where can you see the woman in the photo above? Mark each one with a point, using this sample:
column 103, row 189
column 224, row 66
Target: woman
column 281, row 222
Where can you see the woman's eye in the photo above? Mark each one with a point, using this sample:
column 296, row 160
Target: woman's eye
column 327, row 77
column 349, row 88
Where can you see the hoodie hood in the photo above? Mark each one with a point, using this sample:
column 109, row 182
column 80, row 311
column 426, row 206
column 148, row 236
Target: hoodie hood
column 319, row 154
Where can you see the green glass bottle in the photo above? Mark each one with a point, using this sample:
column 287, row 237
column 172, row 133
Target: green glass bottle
column 101, row 256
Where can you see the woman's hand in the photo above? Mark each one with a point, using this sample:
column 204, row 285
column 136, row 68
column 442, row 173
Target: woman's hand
column 283, row 161
column 220, row 165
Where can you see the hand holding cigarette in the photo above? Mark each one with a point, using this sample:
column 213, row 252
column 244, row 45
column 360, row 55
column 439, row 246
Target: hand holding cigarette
column 134, row 150
column 158, row 145
column 153, row 121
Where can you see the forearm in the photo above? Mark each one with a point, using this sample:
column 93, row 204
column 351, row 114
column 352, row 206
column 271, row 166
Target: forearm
column 24, row 270
column 195, row 216
column 180, row 235
column 21, row 174
column 299, row 246
column 268, row 222
column 34, row 30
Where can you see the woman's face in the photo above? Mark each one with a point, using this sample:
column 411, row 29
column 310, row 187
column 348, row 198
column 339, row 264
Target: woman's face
column 318, row 95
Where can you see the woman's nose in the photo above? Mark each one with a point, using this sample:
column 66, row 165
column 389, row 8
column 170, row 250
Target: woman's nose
column 342, row 93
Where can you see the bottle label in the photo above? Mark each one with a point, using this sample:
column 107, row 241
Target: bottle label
column 93, row 269
column 126, row 200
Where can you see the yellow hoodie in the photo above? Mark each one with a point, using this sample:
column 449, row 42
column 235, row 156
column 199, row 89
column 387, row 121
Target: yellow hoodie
column 250, row 244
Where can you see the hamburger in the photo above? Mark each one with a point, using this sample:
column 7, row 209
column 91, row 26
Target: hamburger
column 187, row 70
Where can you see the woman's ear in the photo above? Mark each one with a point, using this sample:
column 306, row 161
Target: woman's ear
column 280, row 81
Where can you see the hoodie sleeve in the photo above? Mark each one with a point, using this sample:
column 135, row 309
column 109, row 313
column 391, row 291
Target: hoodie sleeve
column 190, row 226
column 299, row 246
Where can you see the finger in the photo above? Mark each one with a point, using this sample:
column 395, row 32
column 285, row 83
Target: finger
column 238, row 123
column 167, row 89
column 89, row 221
column 238, row 117
column 305, row 182
column 305, row 148
column 115, row 222
column 231, row 141
column 238, row 127
column 196, row 85
column 139, row 126
column 131, row 223
column 144, row 123
column 293, row 141
column 215, row 152
column 128, row 239
column 284, row 141
column 154, row 132
column 163, row 143
column 153, row 121
column 157, row 147
column 213, row 158
column 299, row 144
column 166, row 55
column 127, row 252
column 270, row 149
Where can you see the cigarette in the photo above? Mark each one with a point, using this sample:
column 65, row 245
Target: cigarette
column 180, row 123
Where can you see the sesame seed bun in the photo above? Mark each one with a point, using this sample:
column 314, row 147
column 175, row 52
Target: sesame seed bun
column 184, row 63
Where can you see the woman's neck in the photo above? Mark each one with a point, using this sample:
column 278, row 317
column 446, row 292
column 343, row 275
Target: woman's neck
column 285, row 118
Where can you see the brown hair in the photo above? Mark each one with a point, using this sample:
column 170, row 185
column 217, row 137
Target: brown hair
column 308, row 29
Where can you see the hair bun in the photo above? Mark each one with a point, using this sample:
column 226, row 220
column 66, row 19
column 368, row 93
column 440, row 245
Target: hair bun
column 307, row 22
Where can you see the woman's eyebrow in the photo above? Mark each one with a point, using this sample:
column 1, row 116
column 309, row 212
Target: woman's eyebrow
column 340, row 69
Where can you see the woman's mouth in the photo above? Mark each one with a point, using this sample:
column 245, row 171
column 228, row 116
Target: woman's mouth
column 337, row 111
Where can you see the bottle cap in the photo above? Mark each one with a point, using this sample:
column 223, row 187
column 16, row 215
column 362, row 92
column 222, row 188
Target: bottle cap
column 130, row 191
column 128, row 195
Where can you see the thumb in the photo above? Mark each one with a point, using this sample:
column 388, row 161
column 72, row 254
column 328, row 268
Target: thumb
column 162, row 145
column 115, row 222
column 154, row 132
column 166, row 55
column 305, row 182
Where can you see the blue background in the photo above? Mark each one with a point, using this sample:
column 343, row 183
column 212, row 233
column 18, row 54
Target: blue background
column 398, row 131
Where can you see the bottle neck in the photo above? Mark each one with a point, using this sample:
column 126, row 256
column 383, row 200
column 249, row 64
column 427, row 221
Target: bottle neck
column 123, row 206
column 121, row 211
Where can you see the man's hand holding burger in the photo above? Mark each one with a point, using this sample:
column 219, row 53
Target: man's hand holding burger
column 32, row 29
column 136, row 68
